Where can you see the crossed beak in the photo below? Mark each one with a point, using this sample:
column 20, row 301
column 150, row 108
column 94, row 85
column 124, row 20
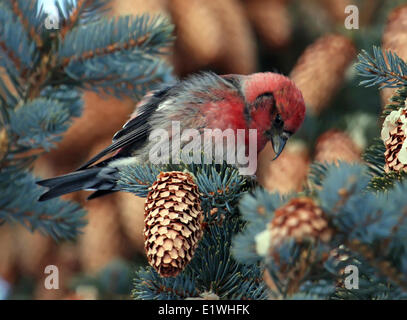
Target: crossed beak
column 278, row 141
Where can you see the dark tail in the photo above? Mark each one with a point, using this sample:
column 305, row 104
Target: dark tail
column 95, row 178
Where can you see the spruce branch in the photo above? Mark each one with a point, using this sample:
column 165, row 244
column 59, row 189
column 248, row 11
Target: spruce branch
column 60, row 219
column 81, row 10
column 39, row 123
column 73, row 17
column 137, row 179
column 147, row 35
column 7, row 95
column 382, row 266
column 148, row 285
column 387, row 70
column 17, row 51
column 123, row 51
column 10, row 55
column 23, row 10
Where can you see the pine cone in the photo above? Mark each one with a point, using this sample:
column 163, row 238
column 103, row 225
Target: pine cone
column 172, row 225
column 394, row 135
column 271, row 20
column 3, row 143
column 335, row 145
column 300, row 219
column 102, row 239
column 7, row 253
column 199, row 34
column 394, row 39
column 34, row 251
column 137, row 7
column 132, row 219
column 320, row 70
column 336, row 9
column 239, row 52
column 304, row 221
column 287, row 173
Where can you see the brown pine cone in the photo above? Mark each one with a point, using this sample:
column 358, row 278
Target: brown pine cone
column 285, row 174
column 7, row 253
column 65, row 257
column 336, row 9
column 300, row 219
column 239, row 52
column 271, row 20
column 172, row 225
column 320, row 70
column 394, row 135
column 394, row 39
column 132, row 218
column 199, row 34
column 334, row 146
column 34, row 251
column 136, row 7
column 3, row 143
column 102, row 239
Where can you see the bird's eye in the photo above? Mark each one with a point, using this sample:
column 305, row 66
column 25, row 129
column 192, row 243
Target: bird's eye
column 278, row 122
column 264, row 100
column 266, row 95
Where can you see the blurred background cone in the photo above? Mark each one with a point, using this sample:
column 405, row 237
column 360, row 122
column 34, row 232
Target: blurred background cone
column 239, row 49
column 131, row 210
column 303, row 221
column 336, row 9
column 7, row 254
column 125, row 7
column 288, row 172
column 102, row 240
column 271, row 21
column 395, row 40
column 334, row 146
column 320, row 70
column 34, row 251
column 199, row 34
column 66, row 260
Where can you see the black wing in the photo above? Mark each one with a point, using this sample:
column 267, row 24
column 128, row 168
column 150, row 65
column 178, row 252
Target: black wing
column 135, row 132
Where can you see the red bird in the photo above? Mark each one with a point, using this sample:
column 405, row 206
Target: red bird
column 268, row 102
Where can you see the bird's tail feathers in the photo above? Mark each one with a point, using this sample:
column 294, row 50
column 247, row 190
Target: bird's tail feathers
column 94, row 178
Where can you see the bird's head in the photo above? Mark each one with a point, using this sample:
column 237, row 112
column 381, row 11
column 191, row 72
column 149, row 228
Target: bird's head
column 275, row 106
